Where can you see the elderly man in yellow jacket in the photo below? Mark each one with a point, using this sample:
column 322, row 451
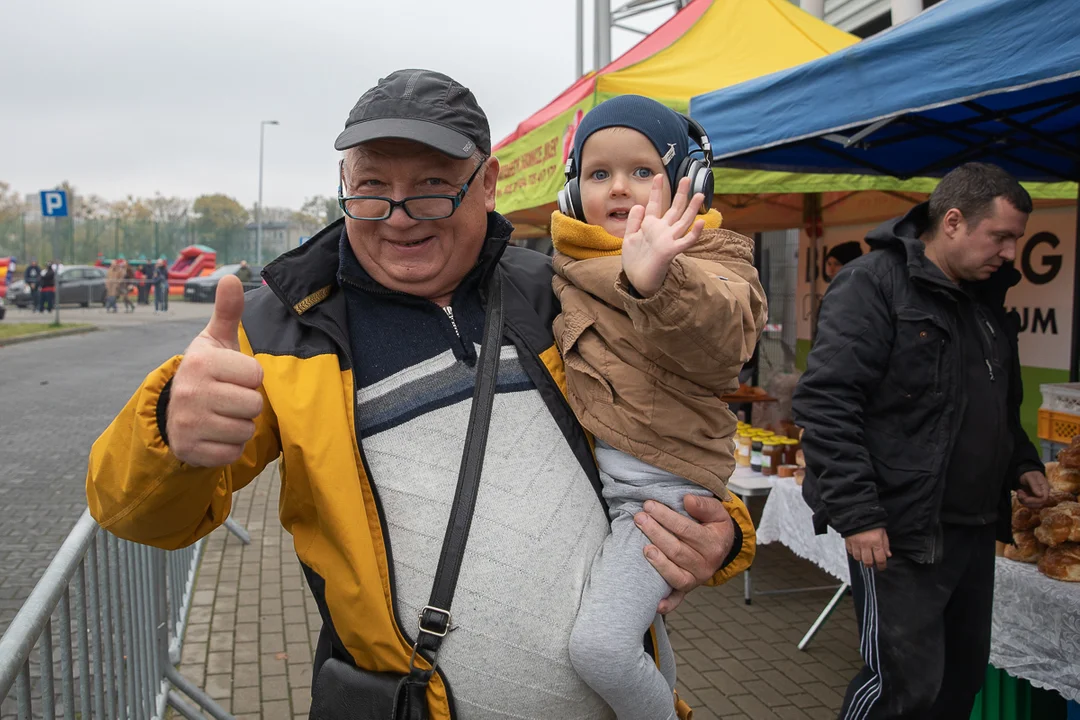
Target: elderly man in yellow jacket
column 354, row 366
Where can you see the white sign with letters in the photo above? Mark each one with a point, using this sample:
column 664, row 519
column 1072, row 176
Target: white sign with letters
column 1045, row 257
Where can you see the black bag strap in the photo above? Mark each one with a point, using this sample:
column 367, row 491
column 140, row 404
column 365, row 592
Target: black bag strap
column 435, row 619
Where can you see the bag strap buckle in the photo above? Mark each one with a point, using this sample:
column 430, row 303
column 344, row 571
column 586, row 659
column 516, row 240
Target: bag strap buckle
column 436, row 623
column 428, row 619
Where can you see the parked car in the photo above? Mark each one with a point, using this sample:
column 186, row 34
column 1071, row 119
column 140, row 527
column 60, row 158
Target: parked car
column 79, row 285
column 2, row 310
column 204, row 289
column 15, row 289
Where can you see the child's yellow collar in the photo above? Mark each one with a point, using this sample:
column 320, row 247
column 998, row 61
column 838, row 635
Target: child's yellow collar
column 582, row 241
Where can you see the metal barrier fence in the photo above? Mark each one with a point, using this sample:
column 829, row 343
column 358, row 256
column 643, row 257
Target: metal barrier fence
column 129, row 605
column 78, row 241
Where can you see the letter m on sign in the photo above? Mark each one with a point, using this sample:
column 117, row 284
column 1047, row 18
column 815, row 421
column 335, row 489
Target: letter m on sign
column 54, row 203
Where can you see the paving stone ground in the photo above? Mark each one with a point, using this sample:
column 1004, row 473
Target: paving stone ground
column 253, row 628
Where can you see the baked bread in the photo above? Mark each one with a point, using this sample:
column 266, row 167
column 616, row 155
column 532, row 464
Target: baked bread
column 1061, row 563
column 1025, row 547
column 1063, row 479
column 1057, row 497
column 1060, row 524
column 1023, row 518
column 1069, row 456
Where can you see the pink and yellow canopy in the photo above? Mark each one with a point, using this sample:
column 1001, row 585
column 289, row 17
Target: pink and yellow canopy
column 708, row 45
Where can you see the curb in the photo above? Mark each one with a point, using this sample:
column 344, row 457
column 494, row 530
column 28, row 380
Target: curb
column 48, row 334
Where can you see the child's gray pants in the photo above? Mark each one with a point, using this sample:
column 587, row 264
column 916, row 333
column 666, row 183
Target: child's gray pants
column 622, row 592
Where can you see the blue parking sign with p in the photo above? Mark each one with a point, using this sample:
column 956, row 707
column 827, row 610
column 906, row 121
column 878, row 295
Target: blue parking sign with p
column 54, row 203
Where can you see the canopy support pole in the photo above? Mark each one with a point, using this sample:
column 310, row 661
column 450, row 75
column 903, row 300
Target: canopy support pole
column 813, row 7
column 812, row 224
column 601, row 33
column 903, row 10
column 1074, row 354
column 579, row 29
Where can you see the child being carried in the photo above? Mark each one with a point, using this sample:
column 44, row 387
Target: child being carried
column 660, row 309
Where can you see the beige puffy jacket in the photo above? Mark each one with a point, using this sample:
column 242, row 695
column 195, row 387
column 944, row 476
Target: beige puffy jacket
column 646, row 375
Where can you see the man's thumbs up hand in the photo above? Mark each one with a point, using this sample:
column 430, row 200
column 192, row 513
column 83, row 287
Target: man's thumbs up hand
column 215, row 393
column 224, row 325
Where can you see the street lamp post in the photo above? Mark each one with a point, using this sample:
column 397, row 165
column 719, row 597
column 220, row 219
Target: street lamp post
column 258, row 208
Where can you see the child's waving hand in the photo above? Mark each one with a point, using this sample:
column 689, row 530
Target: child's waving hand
column 653, row 239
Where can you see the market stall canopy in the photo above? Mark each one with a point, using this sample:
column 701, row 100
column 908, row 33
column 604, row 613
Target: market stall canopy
column 990, row 80
column 709, row 44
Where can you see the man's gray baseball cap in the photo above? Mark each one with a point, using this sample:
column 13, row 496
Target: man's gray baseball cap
column 420, row 105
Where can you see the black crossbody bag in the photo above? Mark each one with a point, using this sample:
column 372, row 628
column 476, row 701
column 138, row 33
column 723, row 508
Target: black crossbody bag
column 345, row 692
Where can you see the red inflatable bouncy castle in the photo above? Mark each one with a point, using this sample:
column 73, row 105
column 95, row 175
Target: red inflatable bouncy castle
column 4, row 264
column 193, row 261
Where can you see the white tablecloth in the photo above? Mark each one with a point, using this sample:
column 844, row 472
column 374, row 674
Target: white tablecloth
column 787, row 519
column 1036, row 630
column 1036, row 626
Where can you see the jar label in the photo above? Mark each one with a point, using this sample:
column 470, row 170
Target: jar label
column 766, row 460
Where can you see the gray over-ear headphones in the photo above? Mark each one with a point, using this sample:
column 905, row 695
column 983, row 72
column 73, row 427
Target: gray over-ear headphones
column 698, row 169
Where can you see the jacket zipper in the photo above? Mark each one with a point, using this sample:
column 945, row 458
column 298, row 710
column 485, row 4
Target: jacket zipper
column 450, row 314
column 989, row 340
column 448, row 311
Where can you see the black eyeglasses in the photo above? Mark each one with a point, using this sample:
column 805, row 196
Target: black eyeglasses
column 418, row 207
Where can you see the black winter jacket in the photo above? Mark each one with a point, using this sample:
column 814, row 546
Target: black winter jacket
column 882, row 398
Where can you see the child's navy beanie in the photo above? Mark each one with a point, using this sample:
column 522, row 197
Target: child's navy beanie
column 662, row 125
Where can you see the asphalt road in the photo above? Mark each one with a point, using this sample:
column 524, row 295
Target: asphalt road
column 56, row 397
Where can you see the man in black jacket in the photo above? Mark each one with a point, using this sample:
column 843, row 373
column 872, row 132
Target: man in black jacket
column 32, row 276
column 910, row 405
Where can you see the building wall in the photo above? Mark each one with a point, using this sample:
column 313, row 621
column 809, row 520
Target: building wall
column 277, row 238
column 863, row 17
column 850, row 15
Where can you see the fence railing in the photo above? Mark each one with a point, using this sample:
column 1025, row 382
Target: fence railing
column 78, row 241
column 107, row 620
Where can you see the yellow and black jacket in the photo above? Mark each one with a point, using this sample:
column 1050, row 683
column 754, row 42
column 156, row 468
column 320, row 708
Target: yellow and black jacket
column 298, row 329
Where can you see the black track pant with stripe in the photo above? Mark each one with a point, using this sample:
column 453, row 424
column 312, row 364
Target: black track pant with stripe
column 925, row 631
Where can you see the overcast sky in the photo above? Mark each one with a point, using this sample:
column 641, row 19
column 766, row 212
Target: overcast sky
column 126, row 97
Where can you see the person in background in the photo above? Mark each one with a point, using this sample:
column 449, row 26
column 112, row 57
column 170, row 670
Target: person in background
column 911, row 413
column 32, row 276
column 142, row 276
column 128, row 286
column 840, row 256
column 244, row 272
column 48, row 288
column 161, row 286
column 114, row 281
